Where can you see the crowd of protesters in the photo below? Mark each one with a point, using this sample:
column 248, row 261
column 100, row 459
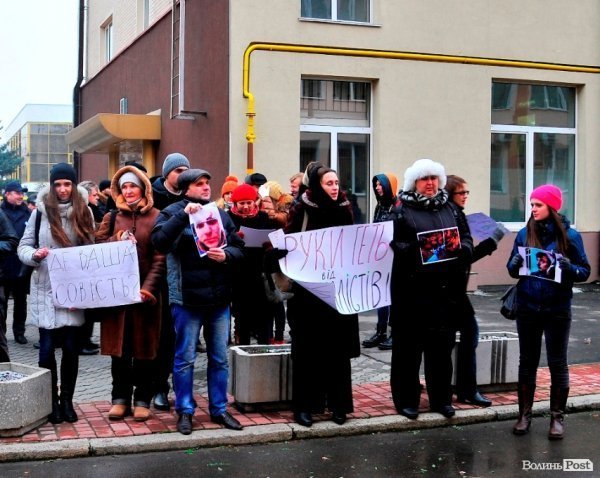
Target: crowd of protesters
column 187, row 291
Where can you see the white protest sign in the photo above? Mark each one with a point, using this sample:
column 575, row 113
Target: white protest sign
column 98, row 275
column 348, row 267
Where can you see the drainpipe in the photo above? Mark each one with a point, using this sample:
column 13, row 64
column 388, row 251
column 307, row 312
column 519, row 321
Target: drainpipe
column 80, row 65
column 387, row 54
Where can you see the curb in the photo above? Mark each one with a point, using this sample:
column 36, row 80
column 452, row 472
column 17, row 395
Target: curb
column 172, row 441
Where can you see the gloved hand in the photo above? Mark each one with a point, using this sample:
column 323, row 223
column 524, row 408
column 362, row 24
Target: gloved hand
column 497, row 235
column 565, row 264
column 277, row 253
column 516, row 262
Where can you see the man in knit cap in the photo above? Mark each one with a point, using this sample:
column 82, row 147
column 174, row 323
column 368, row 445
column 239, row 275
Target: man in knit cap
column 199, row 296
column 165, row 191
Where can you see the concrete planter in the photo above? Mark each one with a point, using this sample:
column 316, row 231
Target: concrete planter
column 24, row 403
column 497, row 360
column 261, row 376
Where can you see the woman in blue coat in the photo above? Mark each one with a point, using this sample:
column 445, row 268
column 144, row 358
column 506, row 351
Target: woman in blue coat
column 544, row 306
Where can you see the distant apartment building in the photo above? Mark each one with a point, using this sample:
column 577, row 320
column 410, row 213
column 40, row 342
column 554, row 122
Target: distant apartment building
column 505, row 94
column 37, row 134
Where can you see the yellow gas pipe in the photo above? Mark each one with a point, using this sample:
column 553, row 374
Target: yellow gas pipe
column 396, row 55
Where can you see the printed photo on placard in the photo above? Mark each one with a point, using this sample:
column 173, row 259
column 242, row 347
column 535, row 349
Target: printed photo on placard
column 207, row 228
column 439, row 245
column 540, row 263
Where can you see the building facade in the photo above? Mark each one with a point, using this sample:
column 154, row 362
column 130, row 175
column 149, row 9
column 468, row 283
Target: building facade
column 37, row 134
column 505, row 95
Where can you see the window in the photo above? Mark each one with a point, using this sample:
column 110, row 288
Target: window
column 107, row 34
column 533, row 137
column 143, row 14
column 340, row 10
column 336, row 131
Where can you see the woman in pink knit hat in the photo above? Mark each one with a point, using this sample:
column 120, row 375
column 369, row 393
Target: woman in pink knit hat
column 544, row 306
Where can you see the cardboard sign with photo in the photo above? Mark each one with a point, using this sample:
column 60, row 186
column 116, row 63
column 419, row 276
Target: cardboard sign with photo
column 439, row 245
column 207, row 229
column 540, row 263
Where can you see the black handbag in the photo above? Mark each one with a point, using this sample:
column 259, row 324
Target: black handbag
column 509, row 303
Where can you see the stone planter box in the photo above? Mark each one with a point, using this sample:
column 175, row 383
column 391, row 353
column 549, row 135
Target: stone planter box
column 24, row 403
column 260, row 376
column 497, row 360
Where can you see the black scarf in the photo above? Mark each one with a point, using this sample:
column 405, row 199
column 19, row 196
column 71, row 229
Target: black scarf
column 424, row 202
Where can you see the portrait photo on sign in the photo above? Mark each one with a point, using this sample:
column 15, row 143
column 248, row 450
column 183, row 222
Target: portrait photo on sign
column 207, row 228
column 540, row 263
column 439, row 245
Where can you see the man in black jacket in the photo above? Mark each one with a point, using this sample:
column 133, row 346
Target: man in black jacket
column 18, row 214
column 199, row 296
column 8, row 245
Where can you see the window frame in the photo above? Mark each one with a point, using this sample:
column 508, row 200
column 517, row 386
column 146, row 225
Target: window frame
column 108, row 39
column 334, row 15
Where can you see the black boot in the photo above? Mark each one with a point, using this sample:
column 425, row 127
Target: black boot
column 525, row 392
column 558, row 405
column 386, row 344
column 56, row 415
column 379, row 336
column 66, row 407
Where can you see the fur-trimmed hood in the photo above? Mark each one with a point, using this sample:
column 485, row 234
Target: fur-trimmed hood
column 43, row 194
column 147, row 201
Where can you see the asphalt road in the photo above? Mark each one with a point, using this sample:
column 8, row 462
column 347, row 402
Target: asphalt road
column 482, row 450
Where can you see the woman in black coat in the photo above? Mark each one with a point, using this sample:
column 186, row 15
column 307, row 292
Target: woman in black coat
column 428, row 284
column 323, row 340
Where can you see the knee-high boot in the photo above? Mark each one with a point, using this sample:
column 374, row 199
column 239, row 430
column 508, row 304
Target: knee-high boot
column 558, row 405
column 526, row 392
column 66, row 407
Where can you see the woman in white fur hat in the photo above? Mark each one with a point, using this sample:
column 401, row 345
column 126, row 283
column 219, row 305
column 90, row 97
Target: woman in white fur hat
column 428, row 281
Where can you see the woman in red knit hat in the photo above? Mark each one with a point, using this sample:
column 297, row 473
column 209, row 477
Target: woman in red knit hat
column 544, row 306
column 231, row 182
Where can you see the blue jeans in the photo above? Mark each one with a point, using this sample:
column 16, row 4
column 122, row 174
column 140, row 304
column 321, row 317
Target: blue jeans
column 216, row 323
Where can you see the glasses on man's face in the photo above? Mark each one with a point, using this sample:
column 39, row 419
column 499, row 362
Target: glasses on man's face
column 210, row 222
column 462, row 193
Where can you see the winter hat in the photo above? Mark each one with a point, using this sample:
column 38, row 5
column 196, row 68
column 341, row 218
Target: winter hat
column 135, row 164
column 190, row 177
column 316, row 172
column 256, row 179
column 274, row 188
column 63, row 171
column 14, row 186
column 130, row 177
column 244, row 192
column 549, row 194
column 174, row 161
column 422, row 168
column 231, row 182
column 102, row 185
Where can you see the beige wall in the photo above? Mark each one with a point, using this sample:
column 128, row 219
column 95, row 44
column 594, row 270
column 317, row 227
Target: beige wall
column 420, row 109
column 126, row 23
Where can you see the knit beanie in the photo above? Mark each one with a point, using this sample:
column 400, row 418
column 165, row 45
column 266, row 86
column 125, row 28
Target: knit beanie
column 422, row 168
column 63, row 171
column 549, row 194
column 174, row 161
column 256, row 179
column 130, row 177
column 190, row 177
column 231, row 182
column 102, row 185
column 244, row 192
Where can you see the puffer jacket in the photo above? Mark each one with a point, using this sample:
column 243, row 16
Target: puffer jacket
column 195, row 281
column 540, row 295
column 42, row 312
column 384, row 211
column 18, row 216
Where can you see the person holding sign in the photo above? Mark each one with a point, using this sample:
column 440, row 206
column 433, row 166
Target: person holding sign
column 251, row 309
column 130, row 333
column 66, row 220
column 199, row 295
column 466, row 362
column 544, row 306
column 426, row 295
column 323, row 340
